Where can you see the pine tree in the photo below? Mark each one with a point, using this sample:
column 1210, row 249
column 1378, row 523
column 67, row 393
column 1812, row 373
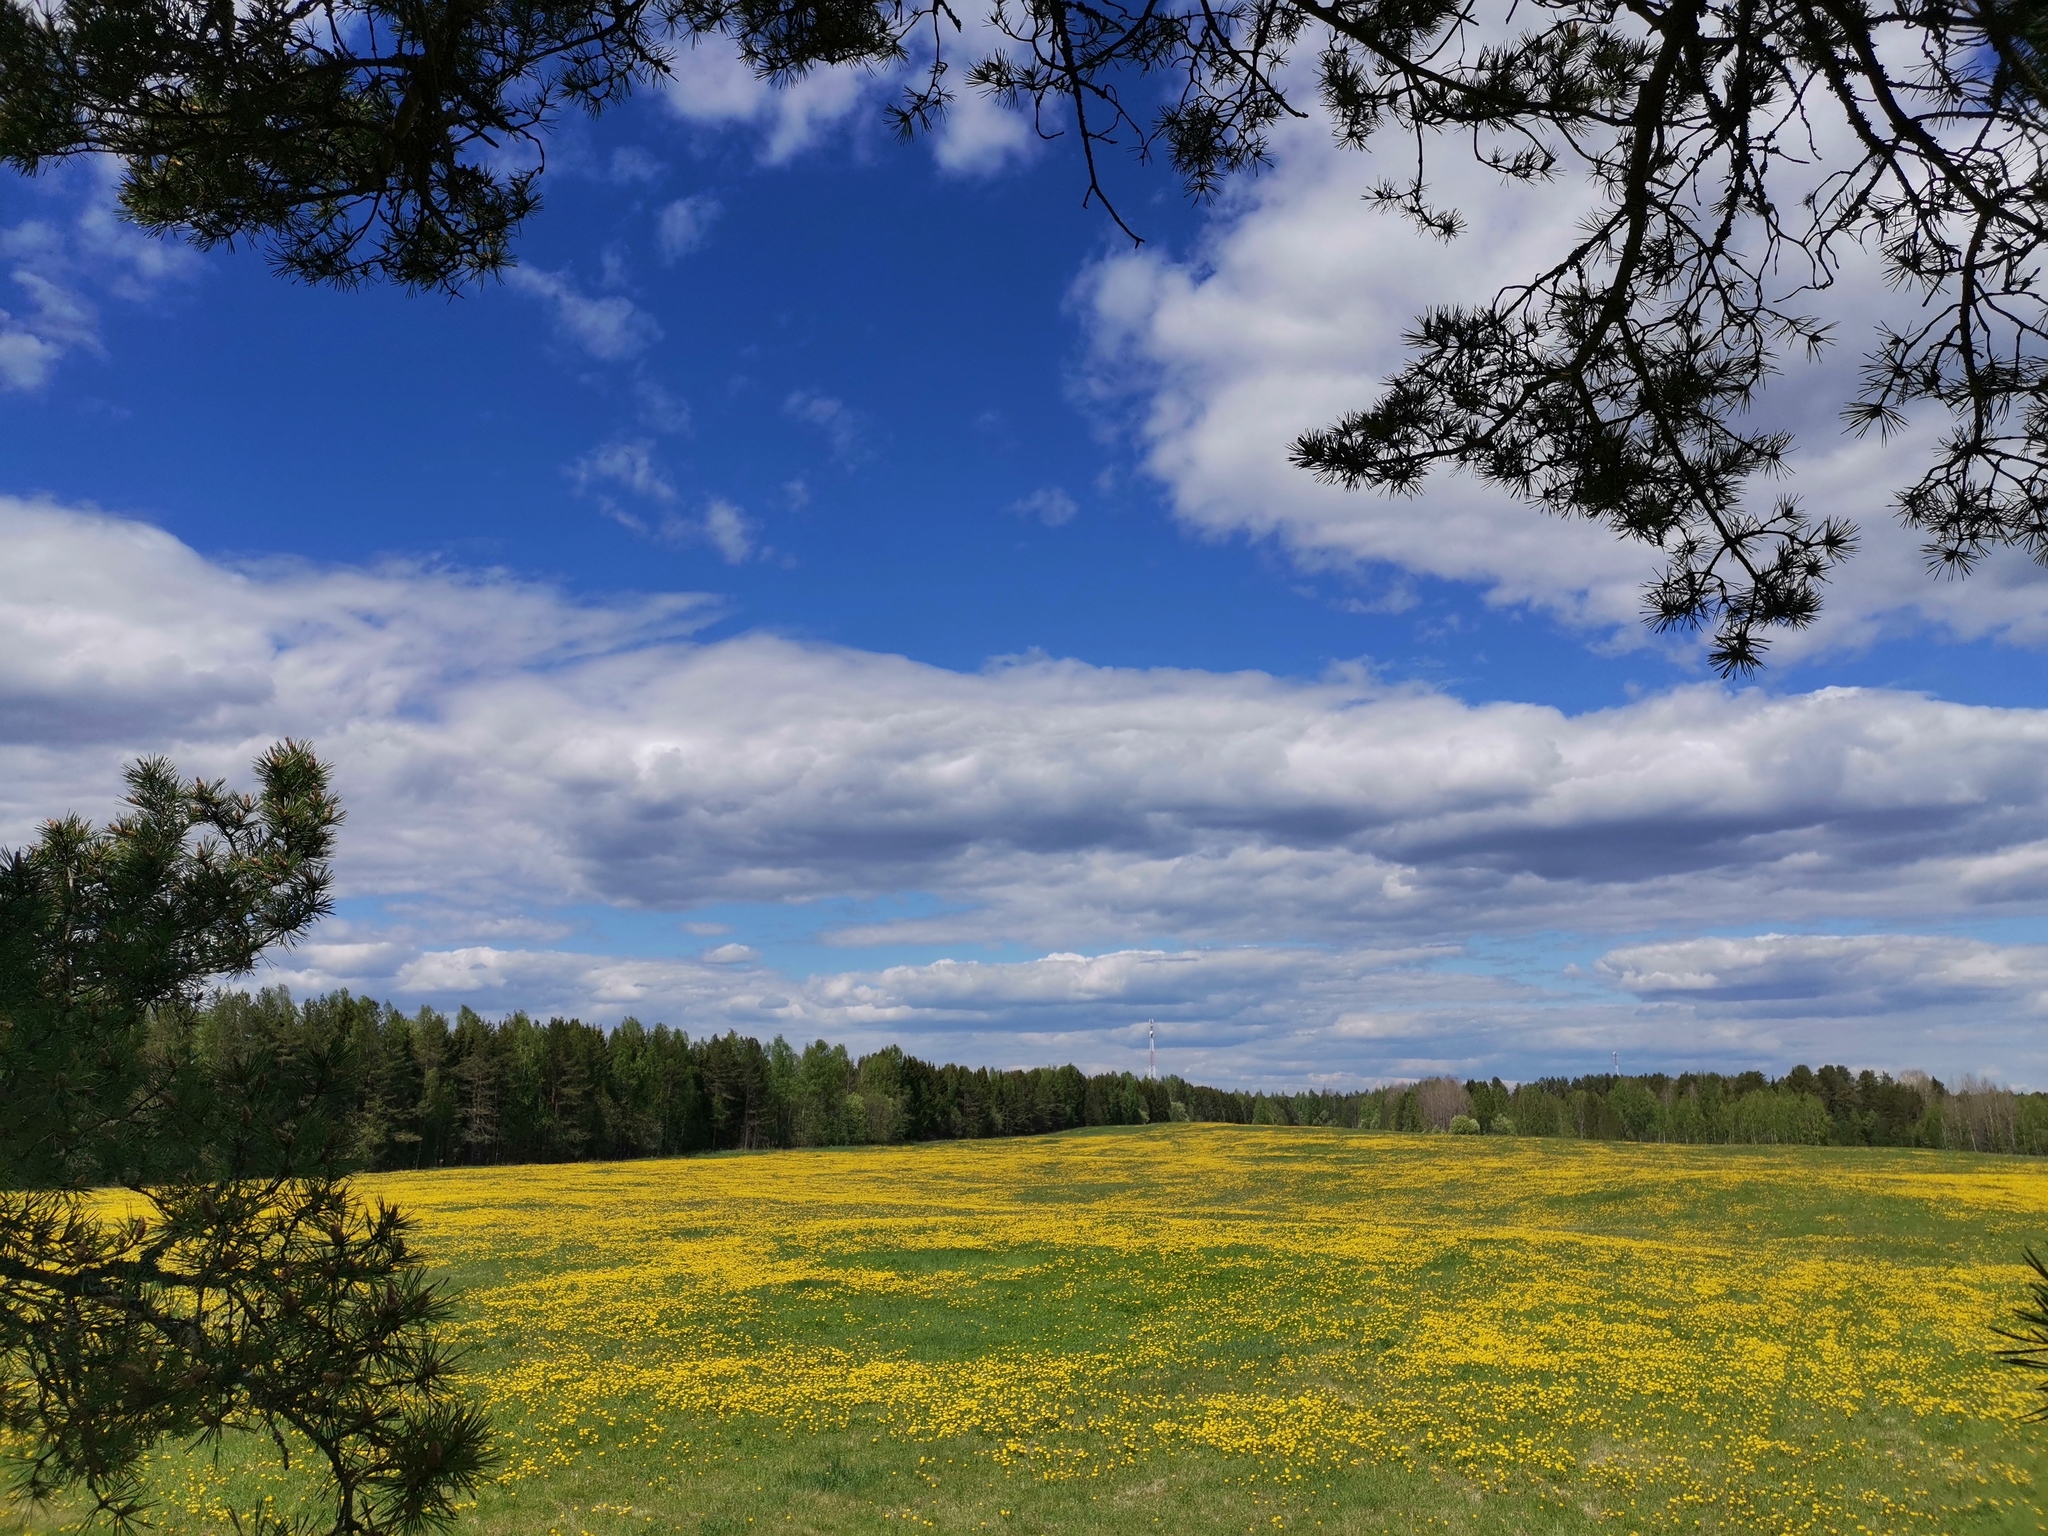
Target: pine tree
column 250, row 1291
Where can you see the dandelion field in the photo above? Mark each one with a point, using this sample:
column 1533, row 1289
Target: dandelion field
column 1197, row 1329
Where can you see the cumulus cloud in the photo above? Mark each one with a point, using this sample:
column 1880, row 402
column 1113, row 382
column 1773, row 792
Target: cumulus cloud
column 117, row 635
column 610, row 327
column 1289, row 314
column 1266, row 1015
column 1240, row 1014
column 1319, row 851
column 712, row 86
column 982, row 137
column 1293, row 310
column 132, row 264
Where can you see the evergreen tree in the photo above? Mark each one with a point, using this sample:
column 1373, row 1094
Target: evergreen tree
column 254, row 1292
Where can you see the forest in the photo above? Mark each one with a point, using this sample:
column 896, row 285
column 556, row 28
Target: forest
column 425, row 1090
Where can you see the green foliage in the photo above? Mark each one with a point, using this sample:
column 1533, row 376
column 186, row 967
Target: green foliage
column 105, row 935
column 1489, row 1100
column 419, row 1090
column 415, row 1090
column 1408, row 1111
column 1464, row 1125
column 1779, row 1117
column 1640, row 1115
column 361, row 138
column 278, row 1306
column 244, row 1289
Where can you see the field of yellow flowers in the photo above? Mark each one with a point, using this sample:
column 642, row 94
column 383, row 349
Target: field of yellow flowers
column 1201, row 1329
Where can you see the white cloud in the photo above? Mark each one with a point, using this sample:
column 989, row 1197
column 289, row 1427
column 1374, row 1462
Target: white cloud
column 84, row 246
column 610, row 328
column 1056, row 794
column 979, row 135
column 1315, row 850
column 1292, row 311
column 1281, row 1015
column 26, row 359
column 628, row 464
column 982, row 137
column 684, row 225
column 1272, row 1015
column 839, row 422
column 58, row 320
column 1050, row 506
column 712, row 86
column 1839, row 974
column 1896, row 1000
column 58, row 315
column 550, row 982
column 728, row 531
column 134, row 264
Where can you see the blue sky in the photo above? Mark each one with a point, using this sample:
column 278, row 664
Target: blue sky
column 836, row 588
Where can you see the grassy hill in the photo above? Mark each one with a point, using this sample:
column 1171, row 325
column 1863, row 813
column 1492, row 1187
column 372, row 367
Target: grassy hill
column 1197, row 1329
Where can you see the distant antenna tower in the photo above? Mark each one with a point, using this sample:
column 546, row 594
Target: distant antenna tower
column 1617, row 1063
column 1152, row 1044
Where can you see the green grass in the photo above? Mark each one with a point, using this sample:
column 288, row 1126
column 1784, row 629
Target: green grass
column 1206, row 1330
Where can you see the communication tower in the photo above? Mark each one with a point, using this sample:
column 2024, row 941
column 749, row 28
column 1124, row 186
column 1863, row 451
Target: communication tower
column 1152, row 1050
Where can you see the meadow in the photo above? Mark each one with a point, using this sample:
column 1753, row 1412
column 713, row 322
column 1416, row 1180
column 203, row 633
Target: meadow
column 1197, row 1328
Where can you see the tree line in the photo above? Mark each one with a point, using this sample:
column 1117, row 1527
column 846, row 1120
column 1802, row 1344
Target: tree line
column 1825, row 1106
column 429, row 1090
